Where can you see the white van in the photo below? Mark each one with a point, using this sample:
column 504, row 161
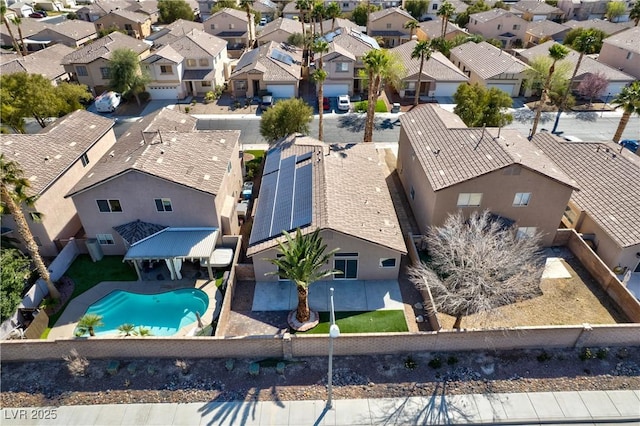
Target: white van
column 108, row 102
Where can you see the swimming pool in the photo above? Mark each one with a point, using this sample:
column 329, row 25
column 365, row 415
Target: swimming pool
column 164, row 313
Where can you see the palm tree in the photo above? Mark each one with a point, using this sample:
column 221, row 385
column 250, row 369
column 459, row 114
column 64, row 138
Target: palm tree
column 445, row 12
column 319, row 76
column 557, row 52
column 143, row 332
column 379, row 66
column 332, row 12
column 14, row 193
column 300, row 260
column 88, row 323
column 3, row 11
column 634, row 13
column 126, row 329
column 585, row 43
column 303, row 6
column 17, row 21
column 319, row 13
column 411, row 26
column 629, row 100
column 422, row 51
column 247, row 5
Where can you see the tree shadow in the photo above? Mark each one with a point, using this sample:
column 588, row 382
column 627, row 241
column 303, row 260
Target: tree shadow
column 587, row 116
column 528, row 115
column 355, row 123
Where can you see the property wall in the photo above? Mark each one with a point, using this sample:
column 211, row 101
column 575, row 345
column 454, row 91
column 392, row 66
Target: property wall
column 606, row 248
column 234, row 242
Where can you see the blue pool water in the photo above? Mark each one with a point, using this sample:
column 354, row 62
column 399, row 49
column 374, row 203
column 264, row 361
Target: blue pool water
column 163, row 313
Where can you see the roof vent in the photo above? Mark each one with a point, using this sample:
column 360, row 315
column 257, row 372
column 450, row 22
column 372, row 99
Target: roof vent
column 46, row 158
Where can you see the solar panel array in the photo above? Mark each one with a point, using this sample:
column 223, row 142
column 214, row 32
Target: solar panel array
column 281, row 56
column 285, row 201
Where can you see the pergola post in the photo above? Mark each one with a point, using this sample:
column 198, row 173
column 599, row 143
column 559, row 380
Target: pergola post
column 137, row 268
column 172, row 268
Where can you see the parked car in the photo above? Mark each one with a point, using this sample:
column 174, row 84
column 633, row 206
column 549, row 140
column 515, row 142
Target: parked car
column 36, row 15
column 326, row 105
column 630, row 144
column 263, row 21
column 267, row 102
column 42, row 12
column 344, row 103
column 108, row 102
column 571, row 138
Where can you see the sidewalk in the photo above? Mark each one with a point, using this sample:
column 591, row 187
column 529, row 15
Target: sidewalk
column 589, row 407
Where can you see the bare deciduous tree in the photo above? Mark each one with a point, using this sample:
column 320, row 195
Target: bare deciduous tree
column 593, row 86
column 477, row 265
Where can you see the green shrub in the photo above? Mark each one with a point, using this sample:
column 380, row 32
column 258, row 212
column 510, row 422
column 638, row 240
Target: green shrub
column 543, row 357
column 144, row 96
column 602, row 353
column 586, row 354
column 435, row 363
column 452, row 360
column 410, row 363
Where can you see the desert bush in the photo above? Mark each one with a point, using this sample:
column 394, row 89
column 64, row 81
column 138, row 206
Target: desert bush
column 435, row 363
column 76, row 364
column 410, row 363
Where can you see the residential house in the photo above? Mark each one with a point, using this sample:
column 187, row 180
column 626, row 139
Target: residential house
column 193, row 64
column 582, row 10
column 446, row 167
column 329, row 25
column 161, row 172
column 28, row 27
column 290, row 11
column 607, row 27
column 74, row 33
column 499, row 24
column 458, row 5
column 274, row 68
column 53, row 161
column 533, row 10
column 429, row 30
column 231, row 25
column 279, row 31
column 99, row 8
column 440, row 77
column 605, row 211
column 46, row 62
column 622, row 51
column 388, row 25
column 135, row 24
column 172, row 32
column 616, row 78
column 490, row 67
column 386, row 4
column 89, row 65
column 268, row 9
column 21, row 9
column 346, row 6
column 541, row 31
column 343, row 61
column 49, row 5
column 303, row 187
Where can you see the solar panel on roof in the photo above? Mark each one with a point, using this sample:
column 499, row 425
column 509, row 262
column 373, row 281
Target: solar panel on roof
column 281, row 56
column 262, row 220
column 302, row 197
column 284, row 197
column 369, row 40
column 303, row 157
column 272, row 163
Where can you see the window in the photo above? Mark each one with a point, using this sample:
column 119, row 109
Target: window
column 206, row 84
column 229, row 167
column 231, row 26
column 413, row 193
column 526, row 231
column 203, row 62
column 521, row 199
column 435, row 6
column 166, row 69
column 81, row 70
column 213, row 26
column 342, row 66
column 347, row 264
column 191, row 62
column 163, row 204
column 499, row 26
column 388, row 263
column 469, row 200
column 105, row 239
column 106, row 73
column 629, row 55
column 388, row 26
column 240, row 84
column 85, row 160
column 128, row 27
column 516, row 27
column 109, row 206
column 345, row 5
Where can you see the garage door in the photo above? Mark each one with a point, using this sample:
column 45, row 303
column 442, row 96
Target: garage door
column 332, row 90
column 446, row 89
column 163, row 92
column 504, row 87
column 282, row 91
column 612, row 90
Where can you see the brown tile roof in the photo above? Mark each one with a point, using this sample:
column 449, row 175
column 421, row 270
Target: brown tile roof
column 173, row 31
column 198, row 44
column 355, row 42
column 171, row 149
column 536, row 7
column 380, row 14
column 76, row 29
column 451, row 153
column 607, row 27
column 628, row 40
column 437, row 68
column 492, row 14
column 28, row 26
column 288, row 25
column 129, row 15
column 45, row 156
column 261, row 59
column 433, row 28
column 103, row 47
column 340, row 23
column 546, row 28
column 240, row 14
column 609, row 181
column 486, row 60
column 45, row 62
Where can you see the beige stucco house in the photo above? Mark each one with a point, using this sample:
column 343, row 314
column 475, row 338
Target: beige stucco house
column 90, row 64
column 582, row 10
column 446, row 167
column 161, row 172
column 541, row 31
column 136, row 25
column 279, row 30
column 303, row 186
column 46, row 62
column 606, row 209
column 500, row 24
column 388, row 24
column 622, row 51
column 232, row 25
column 489, row 66
column 435, row 5
column 533, row 10
column 53, row 161
column 193, row 64
column 74, row 33
column 428, row 30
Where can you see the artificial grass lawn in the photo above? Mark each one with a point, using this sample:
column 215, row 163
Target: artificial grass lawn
column 257, row 153
column 362, row 322
column 362, row 106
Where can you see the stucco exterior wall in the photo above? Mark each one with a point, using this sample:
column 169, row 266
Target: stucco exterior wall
column 142, row 29
column 500, row 25
column 616, row 57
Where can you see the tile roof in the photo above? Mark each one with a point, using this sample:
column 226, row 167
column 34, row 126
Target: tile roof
column 173, row 31
column 546, row 28
column 28, row 26
column 240, row 14
column 103, row 47
column 486, row 60
column 609, row 181
column 628, row 40
column 75, row 29
column 287, row 25
column 536, row 7
column 587, row 66
column 167, row 52
column 451, row 153
column 166, row 145
column 355, row 42
column 130, row 15
column 198, row 44
column 45, row 62
column 340, row 23
column 437, row 68
column 260, row 59
column 365, row 213
column 607, row 27
column 290, row 7
column 489, row 15
column 45, row 156
column 380, row 14
column 102, row 7
column 433, row 28
column 264, row 6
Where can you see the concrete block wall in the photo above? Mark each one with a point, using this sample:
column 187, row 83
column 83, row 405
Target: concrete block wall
column 234, row 242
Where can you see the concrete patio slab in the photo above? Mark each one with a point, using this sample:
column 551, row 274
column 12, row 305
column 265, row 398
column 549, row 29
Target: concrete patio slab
column 554, row 269
column 383, row 295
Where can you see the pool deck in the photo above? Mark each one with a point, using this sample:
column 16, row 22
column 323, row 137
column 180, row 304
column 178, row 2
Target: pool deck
column 66, row 324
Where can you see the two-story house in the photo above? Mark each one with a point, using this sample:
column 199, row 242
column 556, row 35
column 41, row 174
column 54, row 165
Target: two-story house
column 74, row 33
column 435, row 5
column 232, row 25
column 541, row 31
column 446, row 167
column 607, row 27
column 388, row 25
column 582, row 10
column 622, row 51
column 136, row 25
column 53, row 161
column 46, row 62
column 428, row 30
column 89, row 65
column 279, row 30
column 162, row 172
column 533, row 10
column 193, row 65
column 173, row 31
column 500, row 24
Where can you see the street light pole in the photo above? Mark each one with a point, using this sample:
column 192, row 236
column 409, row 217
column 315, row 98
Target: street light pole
column 604, row 107
column 334, row 332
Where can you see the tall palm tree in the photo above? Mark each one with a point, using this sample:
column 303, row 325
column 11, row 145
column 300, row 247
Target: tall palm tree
column 3, row 11
column 333, row 11
column 247, row 5
column 557, row 52
column 319, row 76
column 17, row 21
column 319, row 13
column 422, row 51
column 14, row 193
column 445, row 13
column 585, row 43
column 379, row 66
column 411, row 25
column 629, row 100
column 301, row 260
column 303, row 6
column 88, row 323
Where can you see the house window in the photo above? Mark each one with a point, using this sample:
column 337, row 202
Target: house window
column 229, row 167
column 469, row 199
column 231, row 26
column 109, row 206
column 213, row 26
column 163, row 204
column 629, row 55
column 435, row 6
column 388, row 263
column 128, row 27
column 521, row 199
column 499, row 26
column 85, row 160
column 191, row 62
column 106, row 73
column 203, row 62
column 516, row 27
column 166, row 69
column 413, row 193
column 105, row 239
column 389, row 26
column 240, row 84
column 345, row 5
column 81, row 70
column 347, row 264
column 526, row 231
column 205, row 83
column 342, row 67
